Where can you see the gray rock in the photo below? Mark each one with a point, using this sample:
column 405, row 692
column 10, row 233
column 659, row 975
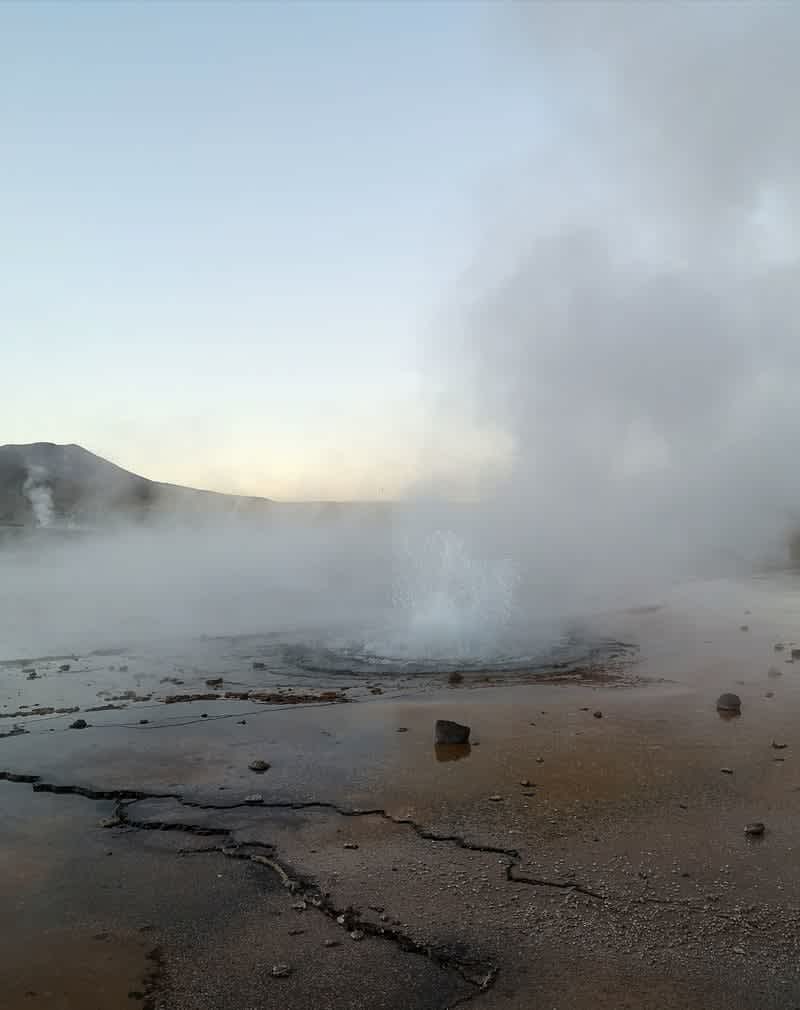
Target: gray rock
column 254, row 798
column 259, row 666
column 598, row 714
column 31, row 674
column 64, row 668
column 259, row 766
column 754, row 829
column 79, row 724
column 357, row 934
column 455, row 677
column 451, row 732
column 729, row 703
column 779, row 646
column 779, row 746
column 281, row 970
column 350, row 845
column 795, row 653
column 331, row 943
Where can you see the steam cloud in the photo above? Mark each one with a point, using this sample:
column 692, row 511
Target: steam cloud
column 38, row 493
column 643, row 350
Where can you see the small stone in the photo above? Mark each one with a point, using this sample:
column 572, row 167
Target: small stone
column 214, row 682
column 739, row 950
column 31, row 674
column 727, row 771
column 350, row 845
column 64, row 668
column 204, row 715
column 455, row 677
column 143, row 722
column 299, row 906
column 448, row 732
column 254, row 798
column 744, row 627
column 598, row 714
column 123, row 669
column 110, row 822
column 259, row 666
column 384, row 917
column 795, row 653
column 259, row 766
column 779, row 746
column 296, row 932
column 729, row 702
column 331, row 943
column 281, row 971
column 755, row 829
column 540, row 761
column 526, row 784
column 402, row 729
column 779, row 647
column 79, row 724
column 357, row 935
column 769, row 694
column 341, row 919
column 495, row 798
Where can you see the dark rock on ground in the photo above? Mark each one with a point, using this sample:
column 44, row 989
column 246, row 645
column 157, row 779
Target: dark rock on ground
column 729, row 702
column 455, row 678
column 79, row 724
column 755, row 829
column 258, row 765
column 451, row 732
column 259, row 666
column 598, row 714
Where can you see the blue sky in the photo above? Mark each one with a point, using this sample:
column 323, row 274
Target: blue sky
column 231, row 231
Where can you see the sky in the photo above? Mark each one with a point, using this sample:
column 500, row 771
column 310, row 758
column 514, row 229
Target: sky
column 231, row 232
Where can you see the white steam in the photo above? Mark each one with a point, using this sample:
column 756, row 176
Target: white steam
column 37, row 491
column 642, row 350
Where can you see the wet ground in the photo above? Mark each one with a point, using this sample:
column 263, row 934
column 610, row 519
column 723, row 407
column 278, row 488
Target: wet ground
column 587, row 850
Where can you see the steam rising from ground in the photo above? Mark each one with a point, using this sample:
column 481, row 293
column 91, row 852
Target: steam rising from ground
column 637, row 328
column 38, row 493
column 635, row 334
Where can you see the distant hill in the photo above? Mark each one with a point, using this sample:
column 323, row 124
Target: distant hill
column 44, row 484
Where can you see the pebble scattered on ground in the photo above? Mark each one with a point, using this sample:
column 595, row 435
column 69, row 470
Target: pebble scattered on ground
column 729, row 702
column 755, row 829
column 258, row 765
column 281, row 970
column 79, row 724
column 449, row 732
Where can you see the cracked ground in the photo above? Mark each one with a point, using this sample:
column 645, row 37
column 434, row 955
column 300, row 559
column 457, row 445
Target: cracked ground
column 564, row 860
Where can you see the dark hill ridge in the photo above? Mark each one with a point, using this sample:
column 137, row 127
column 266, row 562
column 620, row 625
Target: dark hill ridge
column 44, row 482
